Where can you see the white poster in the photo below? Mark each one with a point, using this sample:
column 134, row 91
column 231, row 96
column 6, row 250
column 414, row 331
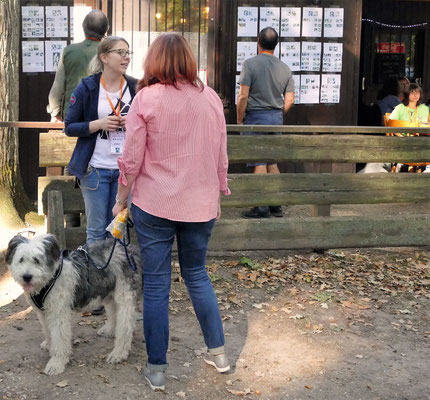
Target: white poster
column 33, row 56
column 296, row 89
column 312, row 22
column 311, row 56
column 33, row 22
column 290, row 55
column 56, row 21
column 330, row 88
column 237, row 89
column 276, row 52
column 309, row 89
column 291, row 21
column 332, row 57
column 53, row 50
column 247, row 21
column 77, row 15
column 333, row 22
column 269, row 16
column 245, row 50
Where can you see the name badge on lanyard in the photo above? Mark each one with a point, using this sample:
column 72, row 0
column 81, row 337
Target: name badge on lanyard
column 117, row 140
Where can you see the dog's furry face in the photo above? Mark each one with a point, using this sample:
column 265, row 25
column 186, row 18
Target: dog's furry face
column 33, row 262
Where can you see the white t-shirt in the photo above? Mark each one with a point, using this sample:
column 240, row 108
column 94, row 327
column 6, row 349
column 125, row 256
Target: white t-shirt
column 102, row 156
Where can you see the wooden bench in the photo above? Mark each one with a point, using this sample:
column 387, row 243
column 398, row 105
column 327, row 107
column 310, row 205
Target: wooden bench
column 58, row 195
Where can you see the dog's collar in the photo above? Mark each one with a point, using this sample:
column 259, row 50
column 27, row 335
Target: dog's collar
column 39, row 299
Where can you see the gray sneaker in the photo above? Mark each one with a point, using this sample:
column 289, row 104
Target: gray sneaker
column 156, row 379
column 219, row 361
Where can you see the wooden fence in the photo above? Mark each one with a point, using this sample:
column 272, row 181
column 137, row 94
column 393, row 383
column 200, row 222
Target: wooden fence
column 318, row 144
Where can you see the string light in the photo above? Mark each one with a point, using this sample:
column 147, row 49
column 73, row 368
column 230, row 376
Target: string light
column 394, row 26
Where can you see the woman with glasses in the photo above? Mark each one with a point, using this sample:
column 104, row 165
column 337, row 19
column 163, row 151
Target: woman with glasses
column 97, row 114
column 175, row 162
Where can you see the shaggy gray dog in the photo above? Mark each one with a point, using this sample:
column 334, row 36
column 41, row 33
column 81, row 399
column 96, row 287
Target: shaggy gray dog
column 55, row 283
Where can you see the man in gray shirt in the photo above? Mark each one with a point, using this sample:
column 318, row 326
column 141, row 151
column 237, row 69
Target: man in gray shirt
column 266, row 93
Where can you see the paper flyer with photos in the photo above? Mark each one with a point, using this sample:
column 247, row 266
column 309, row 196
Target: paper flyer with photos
column 269, row 17
column 247, row 21
column 33, row 22
column 333, row 22
column 245, row 50
column 57, row 21
column 332, row 57
column 291, row 18
column 311, row 56
column 290, row 55
column 309, row 89
column 296, row 89
column 330, row 88
column 237, row 89
column 53, row 50
column 312, row 22
column 33, row 56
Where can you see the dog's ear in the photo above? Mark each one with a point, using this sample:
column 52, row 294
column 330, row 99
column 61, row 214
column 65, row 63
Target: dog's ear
column 52, row 250
column 13, row 245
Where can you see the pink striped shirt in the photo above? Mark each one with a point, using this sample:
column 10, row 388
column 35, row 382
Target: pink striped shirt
column 176, row 147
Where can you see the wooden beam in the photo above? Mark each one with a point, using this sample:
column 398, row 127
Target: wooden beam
column 308, row 233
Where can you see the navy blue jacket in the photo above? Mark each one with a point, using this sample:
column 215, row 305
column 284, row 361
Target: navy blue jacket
column 82, row 110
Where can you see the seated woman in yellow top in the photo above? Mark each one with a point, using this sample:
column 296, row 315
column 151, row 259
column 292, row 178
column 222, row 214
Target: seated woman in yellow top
column 411, row 108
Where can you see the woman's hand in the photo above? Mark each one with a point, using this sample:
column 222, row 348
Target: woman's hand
column 109, row 123
column 117, row 208
column 122, row 120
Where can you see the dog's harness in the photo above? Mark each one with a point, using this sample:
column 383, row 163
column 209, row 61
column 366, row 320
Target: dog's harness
column 39, row 299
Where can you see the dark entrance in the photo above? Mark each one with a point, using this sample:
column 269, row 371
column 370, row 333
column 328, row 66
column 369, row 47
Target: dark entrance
column 393, row 43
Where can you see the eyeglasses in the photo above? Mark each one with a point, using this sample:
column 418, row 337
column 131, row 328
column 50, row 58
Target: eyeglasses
column 123, row 53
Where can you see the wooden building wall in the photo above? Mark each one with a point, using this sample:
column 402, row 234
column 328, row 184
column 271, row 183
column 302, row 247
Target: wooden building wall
column 343, row 113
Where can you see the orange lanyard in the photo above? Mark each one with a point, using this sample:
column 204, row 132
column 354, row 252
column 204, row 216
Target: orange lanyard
column 410, row 115
column 116, row 112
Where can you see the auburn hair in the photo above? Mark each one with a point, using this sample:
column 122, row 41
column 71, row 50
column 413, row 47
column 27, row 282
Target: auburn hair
column 169, row 61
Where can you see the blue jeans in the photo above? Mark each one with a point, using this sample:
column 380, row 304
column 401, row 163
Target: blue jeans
column 99, row 188
column 263, row 117
column 155, row 236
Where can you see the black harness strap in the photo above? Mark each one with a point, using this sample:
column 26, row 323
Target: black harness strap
column 39, row 299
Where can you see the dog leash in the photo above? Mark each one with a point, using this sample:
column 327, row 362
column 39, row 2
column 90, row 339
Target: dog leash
column 125, row 243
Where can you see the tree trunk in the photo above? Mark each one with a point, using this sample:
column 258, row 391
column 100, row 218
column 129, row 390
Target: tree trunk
column 13, row 200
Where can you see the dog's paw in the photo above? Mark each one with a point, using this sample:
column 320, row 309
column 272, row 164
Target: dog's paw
column 117, row 356
column 45, row 345
column 106, row 331
column 55, row 366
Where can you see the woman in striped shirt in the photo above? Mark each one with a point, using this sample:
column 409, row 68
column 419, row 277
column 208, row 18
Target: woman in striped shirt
column 175, row 164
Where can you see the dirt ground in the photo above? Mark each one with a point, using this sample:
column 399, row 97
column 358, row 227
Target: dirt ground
column 346, row 324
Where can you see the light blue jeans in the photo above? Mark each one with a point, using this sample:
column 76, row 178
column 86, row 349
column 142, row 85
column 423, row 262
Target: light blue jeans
column 155, row 236
column 99, row 187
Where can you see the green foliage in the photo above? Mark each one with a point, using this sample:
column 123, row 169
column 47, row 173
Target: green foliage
column 249, row 263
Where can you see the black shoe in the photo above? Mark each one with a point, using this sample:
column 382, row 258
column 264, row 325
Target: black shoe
column 257, row 212
column 98, row 311
column 276, row 211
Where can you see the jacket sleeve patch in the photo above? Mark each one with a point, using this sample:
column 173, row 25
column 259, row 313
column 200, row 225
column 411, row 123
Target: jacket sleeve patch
column 72, row 99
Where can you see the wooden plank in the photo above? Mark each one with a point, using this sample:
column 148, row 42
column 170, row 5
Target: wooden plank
column 321, row 233
column 295, row 129
column 55, row 220
column 297, row 189
column 308, row 233
column 292, row 189
column 327, row 129
column 31, row 124
column 73, row 201
column 324, row 148
column 55, row 149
